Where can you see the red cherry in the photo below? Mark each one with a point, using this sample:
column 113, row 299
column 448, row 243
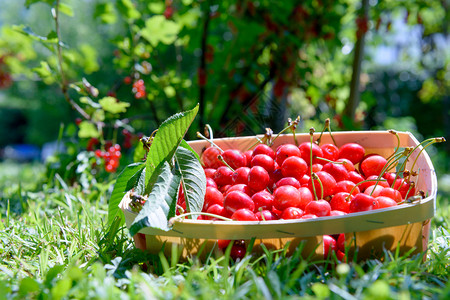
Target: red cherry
column 373, row 165
column 258, row 178
column 404, row 188
column 373, row 190
column 329, row 245
column 347, row 164
column 209, row 158
column 244, row 214
column 390, row 177
column 328, row 184
column 285, row 151
column 241, row 188
column 355, row 177
column 341, row 201
column 248, row 155
column 315, row 168
column 236, row 200
column 384, row 202
column 352, row 151
column 338, row 171
column 341, row 242
column 288, row 181
column 305, row 149
column 209, row 172
column 223, row 176
column 320, row 208
column 266, row 215
column 294, row 166
column 363, row 202
column 263, row 200
column 212, row 196
column 372, row 180
column 305, row 197
column 240, row 175
column 330, row 151
column 237, row 252
column 264, row 161
column 264, row 149
column 235, row 158
column 222, row 244
column 215, row 209
column 286, row 196
column 346, row 186
column 391, row 193
column 291, row 213
column 211, row 182
column 109, row 168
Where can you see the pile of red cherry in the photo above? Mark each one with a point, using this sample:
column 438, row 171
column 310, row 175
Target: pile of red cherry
column 264, row 184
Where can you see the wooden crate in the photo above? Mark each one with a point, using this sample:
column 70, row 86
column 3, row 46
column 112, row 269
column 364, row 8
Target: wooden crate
column 405, row 226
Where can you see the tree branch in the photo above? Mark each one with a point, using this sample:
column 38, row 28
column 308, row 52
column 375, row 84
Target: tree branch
column 353, row 100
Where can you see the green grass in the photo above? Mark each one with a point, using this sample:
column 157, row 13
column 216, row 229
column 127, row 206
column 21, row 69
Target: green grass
column 54, row 244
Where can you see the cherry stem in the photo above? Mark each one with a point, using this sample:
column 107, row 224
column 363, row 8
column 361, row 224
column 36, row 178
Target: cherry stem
column 260, row 212
column 325, row 126
column 210, row 131
column 315, row 177
column 258, row 141
column 392, row 131
column 331, row 161
column 389, row 163
column 411, row 199
column 359, row 183
column 220, row 157
column 435, row 140
column 176, row 218
column 199, row 135
column 329, row 130
column 311, row 135
column 292, row 125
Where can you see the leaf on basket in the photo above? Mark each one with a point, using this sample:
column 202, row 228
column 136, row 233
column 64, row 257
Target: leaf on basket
column 165, row 143
column 161, row 203
column 193, row 178
column 127, row 179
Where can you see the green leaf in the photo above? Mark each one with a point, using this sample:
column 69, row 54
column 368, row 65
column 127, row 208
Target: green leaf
column 160, row 205
column 52, row 273
column 30, row 2
column 28, row 285
column 111, row 105
column 158, row 29
column 44, row 72
column 126, row 180
column 88, row 130
column 105, row 12
column 128, row 10
column 166, row 141
column 184, row 144
column 193, row 179
column 66, row 9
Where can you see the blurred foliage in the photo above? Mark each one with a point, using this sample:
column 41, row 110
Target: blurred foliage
column 129, row 64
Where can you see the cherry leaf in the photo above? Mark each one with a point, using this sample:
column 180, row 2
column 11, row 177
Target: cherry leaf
column 161, row 203
column 166, row 141
column 129, row 178
column 193, row 178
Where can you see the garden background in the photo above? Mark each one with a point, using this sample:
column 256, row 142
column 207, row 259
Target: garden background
column 76, row 76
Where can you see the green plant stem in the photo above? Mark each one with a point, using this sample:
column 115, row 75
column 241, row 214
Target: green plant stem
column 63, row 84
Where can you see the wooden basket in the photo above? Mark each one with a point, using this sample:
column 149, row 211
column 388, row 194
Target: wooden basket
column 405, row 226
